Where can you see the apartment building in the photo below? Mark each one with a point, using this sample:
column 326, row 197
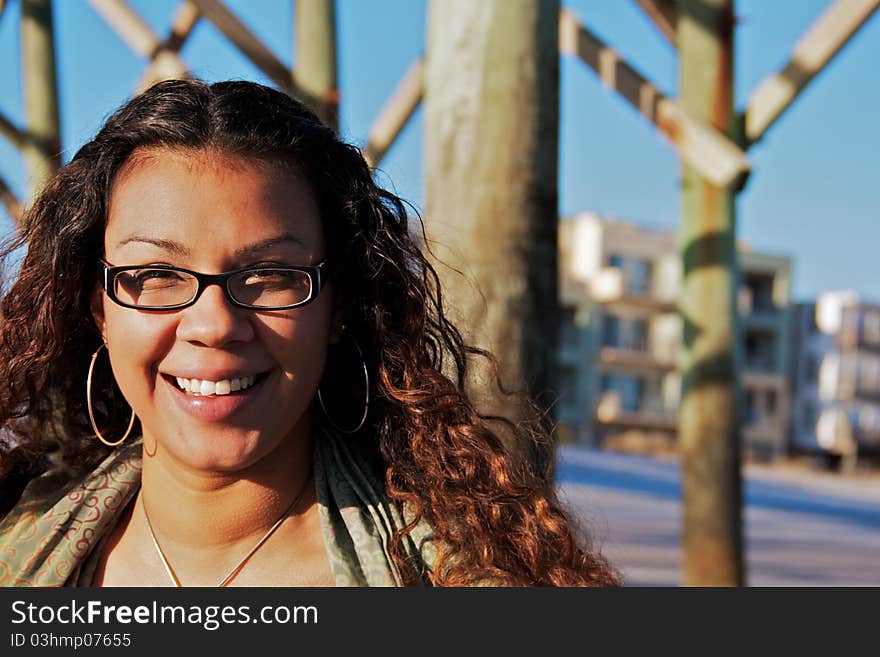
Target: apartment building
column 622, row 335
column 836, row 376
column 809, row 347
column 621, row 332
column 763, row 304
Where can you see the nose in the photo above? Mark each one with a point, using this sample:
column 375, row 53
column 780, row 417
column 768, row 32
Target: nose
column 213, row 321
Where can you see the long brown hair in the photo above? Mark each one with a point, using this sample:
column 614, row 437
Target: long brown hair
column 493, row 516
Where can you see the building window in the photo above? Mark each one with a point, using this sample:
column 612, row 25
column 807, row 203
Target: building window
column 638, row 280
column 610, row 331
column 760, row 351
column 570, row 332
column 615, row 260
column 750, row 409
column 771, row 403
column 872, row 327
column 760, row 290
column 809, row 416
column 869, row 373
column 812, row 368
column 629, row 333
column 637, row 272
column 812, row 325
column 629, row 389
column 569, row 393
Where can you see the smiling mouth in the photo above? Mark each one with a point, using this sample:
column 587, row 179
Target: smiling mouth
column 224, row 387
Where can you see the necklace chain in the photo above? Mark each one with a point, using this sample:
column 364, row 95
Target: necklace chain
column 241, row 564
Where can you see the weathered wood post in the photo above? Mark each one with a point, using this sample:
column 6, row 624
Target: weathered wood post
column 708, row 420
column 42, row 149
column 491, row 144
column 315, row 58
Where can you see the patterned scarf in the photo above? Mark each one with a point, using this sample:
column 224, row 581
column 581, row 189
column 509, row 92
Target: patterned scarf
column 56, row 534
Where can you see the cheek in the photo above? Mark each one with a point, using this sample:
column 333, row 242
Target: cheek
column 299, row 348
column 136, row 344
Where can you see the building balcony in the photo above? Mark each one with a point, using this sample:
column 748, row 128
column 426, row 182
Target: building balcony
column 750, row 304
column 867, row 393
column 849, row 339
column 610, row 413
column 634, row 359
column 867, row 437
column 611, row 286
column 767, row 321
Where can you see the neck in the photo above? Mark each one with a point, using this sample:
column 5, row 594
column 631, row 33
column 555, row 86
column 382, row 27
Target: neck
column 202, row 514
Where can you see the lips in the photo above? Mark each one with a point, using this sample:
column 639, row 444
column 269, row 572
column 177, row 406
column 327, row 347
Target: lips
column 216, row 407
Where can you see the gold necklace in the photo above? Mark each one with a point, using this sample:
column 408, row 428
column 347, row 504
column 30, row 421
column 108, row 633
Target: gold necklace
column 240, row 565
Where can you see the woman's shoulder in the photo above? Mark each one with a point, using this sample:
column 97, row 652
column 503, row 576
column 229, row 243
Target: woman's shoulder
column 61, row 516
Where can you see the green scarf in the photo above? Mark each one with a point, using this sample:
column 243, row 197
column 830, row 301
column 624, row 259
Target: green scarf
column 57, row 532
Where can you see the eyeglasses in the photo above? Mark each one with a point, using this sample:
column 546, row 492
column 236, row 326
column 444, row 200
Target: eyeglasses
column 259, row 287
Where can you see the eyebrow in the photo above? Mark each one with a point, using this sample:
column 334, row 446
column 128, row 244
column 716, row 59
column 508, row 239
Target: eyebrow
column 179, row 249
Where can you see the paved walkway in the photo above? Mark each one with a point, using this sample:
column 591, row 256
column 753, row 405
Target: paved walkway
column 803, row 528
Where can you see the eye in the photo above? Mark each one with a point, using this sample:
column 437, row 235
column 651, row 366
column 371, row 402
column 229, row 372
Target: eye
column 256, row 276
column 151, row 278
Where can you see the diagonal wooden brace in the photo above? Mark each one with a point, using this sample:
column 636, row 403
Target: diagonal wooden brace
column 137, row 34
column 396, row 113
column 664, row 15
column 812, row 53
column 10, row 202
column 714, row 154
column 162, row 67
column 247, row 42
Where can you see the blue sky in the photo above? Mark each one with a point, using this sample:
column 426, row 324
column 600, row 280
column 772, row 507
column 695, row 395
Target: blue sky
column 814, row 193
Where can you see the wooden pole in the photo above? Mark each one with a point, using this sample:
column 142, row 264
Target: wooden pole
column 491, row 146
column 708, row 419
column 42, row 151
column 315, row 58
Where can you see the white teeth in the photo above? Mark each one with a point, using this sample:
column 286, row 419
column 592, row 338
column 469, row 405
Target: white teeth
column 208, row 388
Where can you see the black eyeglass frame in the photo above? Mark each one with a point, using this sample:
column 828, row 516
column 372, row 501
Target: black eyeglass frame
column 317, row 279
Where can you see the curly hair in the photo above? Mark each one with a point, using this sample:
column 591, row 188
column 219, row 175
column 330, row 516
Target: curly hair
column 492, row 514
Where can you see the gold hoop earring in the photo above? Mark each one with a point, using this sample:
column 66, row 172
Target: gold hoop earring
column 363, row 418
column 89, row 405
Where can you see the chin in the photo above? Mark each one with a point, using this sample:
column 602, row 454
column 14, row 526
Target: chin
column 222, row 451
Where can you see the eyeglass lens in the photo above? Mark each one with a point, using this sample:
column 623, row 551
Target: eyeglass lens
column 260, row 288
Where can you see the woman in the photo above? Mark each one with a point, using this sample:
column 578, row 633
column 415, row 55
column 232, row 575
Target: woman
column 274, row 411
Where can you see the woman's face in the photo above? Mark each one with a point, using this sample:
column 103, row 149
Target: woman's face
column 212, row 213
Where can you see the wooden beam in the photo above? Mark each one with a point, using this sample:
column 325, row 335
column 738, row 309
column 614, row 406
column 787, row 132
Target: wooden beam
column 396, row 112
column 10, row 202
column 812, row 53
column 664, row 15
column 716, row 156
column 163, row 66
column 136, row 33
column 2, row 7
column 13, row 133
column 24, row 140
column 248, row 43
